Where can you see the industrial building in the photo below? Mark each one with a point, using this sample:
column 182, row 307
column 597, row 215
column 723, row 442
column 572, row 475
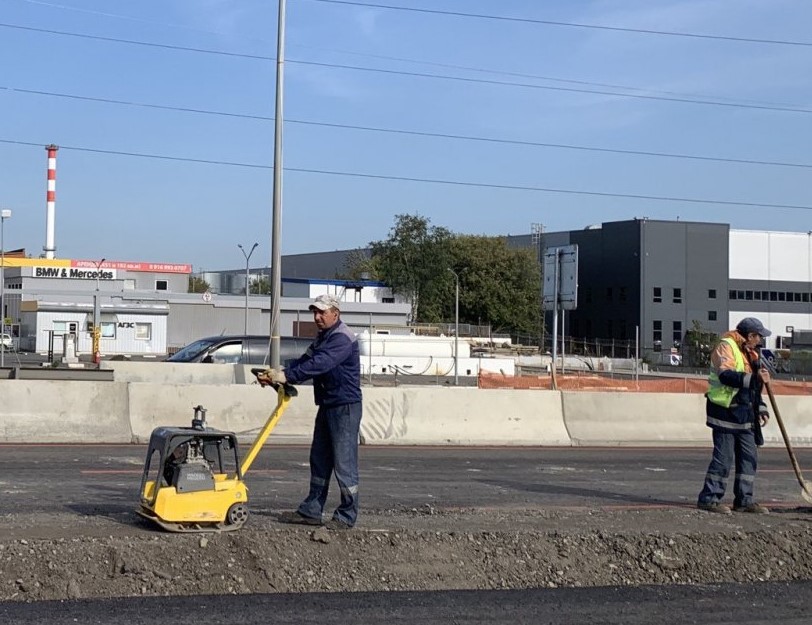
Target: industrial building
column 145, row 309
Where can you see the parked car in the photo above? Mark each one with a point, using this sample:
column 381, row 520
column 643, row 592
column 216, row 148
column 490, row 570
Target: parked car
column 6, row 341
column 240, row 350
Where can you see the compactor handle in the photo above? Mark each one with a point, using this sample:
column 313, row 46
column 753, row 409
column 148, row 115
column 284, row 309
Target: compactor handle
column 290, row 390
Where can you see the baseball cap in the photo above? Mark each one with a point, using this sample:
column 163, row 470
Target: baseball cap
column 751, row 324
column 323, row 302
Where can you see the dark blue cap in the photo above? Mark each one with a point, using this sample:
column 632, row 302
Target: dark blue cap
column 751, row 324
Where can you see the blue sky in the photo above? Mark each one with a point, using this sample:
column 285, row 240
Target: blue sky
column 132, row 208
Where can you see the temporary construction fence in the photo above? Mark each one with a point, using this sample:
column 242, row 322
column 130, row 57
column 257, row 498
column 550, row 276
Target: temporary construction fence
column 589, row 382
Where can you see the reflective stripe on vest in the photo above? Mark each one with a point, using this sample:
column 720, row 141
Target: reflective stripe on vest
column 719, row 393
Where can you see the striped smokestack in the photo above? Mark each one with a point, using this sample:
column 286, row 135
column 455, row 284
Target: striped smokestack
column 50, row 205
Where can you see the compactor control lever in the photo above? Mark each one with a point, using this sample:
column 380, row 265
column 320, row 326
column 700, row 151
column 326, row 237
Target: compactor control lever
column 199, row 420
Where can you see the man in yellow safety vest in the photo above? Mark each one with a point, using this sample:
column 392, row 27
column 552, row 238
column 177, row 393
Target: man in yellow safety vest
column 736, row 413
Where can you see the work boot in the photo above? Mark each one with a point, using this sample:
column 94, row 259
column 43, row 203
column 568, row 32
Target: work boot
column 297, row 518
column 714, row 506
column 753, row 508
column 336, row 525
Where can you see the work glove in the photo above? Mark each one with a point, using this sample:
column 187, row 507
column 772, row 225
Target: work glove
column 763, row 417
column 271, row 376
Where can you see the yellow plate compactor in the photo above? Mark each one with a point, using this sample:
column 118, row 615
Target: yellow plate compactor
column 193, row 479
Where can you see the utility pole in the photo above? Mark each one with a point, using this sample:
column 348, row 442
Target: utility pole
column 247, row 279
column 456, row 327
column 276, row 217
column 5, row 213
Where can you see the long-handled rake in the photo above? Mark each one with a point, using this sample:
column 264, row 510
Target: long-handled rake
column 806, row 488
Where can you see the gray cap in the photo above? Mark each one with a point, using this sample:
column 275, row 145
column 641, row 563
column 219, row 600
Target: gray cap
column 324, row 302
column 751, row 324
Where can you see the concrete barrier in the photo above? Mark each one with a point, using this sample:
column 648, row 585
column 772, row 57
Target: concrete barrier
column 796, row 412
column 170, row 372
column 46, row 411
column 237, row 408
column 33, row 411
column 462, row 416
column 635, row 418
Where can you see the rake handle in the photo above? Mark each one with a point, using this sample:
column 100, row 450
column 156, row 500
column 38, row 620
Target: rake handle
column 796, row 467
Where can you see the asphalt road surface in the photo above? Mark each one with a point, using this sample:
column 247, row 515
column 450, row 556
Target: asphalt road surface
column 105, row 478
column 41, row 482
column 740, row 604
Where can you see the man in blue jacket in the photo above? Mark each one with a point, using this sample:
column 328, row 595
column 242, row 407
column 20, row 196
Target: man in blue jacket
column 333, row 363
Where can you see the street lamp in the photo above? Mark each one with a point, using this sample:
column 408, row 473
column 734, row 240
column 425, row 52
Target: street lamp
column 96, row 316
column 456, row 327
column 247, row 279
column 5, row 213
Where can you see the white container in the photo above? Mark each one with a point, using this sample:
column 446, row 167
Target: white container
column 413, row 346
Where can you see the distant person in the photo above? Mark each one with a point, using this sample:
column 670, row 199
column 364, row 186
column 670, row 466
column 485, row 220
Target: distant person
column 736, row 413
column 333, row 363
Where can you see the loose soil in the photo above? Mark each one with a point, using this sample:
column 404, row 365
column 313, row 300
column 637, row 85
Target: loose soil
column 116, row 554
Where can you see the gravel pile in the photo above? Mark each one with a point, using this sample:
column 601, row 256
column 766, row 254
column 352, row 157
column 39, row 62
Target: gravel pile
column 408, row 550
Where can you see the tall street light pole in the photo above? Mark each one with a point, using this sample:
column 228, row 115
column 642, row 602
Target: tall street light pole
column 276, row 217
column 247, row 279
column 5, row 213
column 97, row 316
column 456, row 327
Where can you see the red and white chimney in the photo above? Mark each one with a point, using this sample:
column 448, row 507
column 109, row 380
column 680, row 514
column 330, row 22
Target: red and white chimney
column 50, row 205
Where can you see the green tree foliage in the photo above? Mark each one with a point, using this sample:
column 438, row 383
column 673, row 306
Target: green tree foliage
column 699, row 344
column 414, row 262
column 260, row 286
column 499, row 285
column 198, row 285
column 359, row 263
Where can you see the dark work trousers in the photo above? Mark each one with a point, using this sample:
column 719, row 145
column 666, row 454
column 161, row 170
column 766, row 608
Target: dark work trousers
column 728, row 447
column 334, row 450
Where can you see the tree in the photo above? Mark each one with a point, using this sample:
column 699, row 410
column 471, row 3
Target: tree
column 198, row 285
column 498, row 284
column 261, row 286
column 699, row 344
column 414, row 262
column 359, row 263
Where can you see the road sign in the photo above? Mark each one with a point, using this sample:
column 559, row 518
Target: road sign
column 561, row 276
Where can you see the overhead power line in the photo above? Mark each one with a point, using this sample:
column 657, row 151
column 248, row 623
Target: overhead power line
column 417, row 133
column 527, row 20
column 439, row 181
column 503, row 83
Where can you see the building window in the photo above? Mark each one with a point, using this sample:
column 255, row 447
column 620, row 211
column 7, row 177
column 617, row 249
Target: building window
column 161, row 285
column 678, row 296
column 60, row 327
column 658, row 295
column 773, row 296
column 731, row 294
column 143, row 331
column 757, row 295
column 711, row 315
column 108, row 329
column 748, row 295
column 804, row 297
column 658, row 332
column 711, row 293
column 782, row 297
column 387, row 300
column 676, row 335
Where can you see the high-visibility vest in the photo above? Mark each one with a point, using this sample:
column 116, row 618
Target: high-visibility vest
column 719, row 393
